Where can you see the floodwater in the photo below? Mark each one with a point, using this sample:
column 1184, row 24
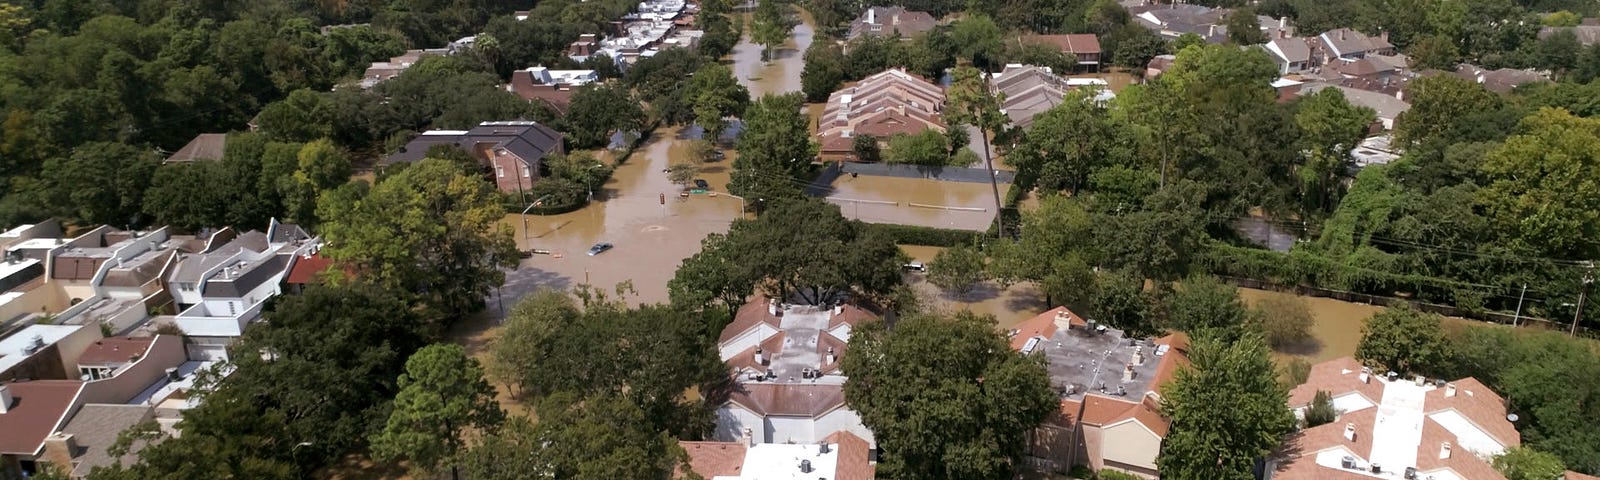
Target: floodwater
column 914, row 201
column 1337, row 327
column 782, row 74
column 1009, row 306
column 650, row 237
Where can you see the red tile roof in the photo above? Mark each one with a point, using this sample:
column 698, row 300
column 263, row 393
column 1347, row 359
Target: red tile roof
column 1478, row 404
column 752, row 313
column 1078, row 43
column 115, row 350
column 1177, row 357
column 713, row 459
column 306, row 269
column 1041, row 325
column 37, row 408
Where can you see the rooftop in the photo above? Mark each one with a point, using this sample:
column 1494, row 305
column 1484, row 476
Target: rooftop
column 36, row 409
column 115, row 350
column 528, row 140
column 95, row 428
column 789, row 343
column 159, row 393
column 1439, row 428
column 23, row 344
column 1084, row 356
column 205, row 146
column 842, row 456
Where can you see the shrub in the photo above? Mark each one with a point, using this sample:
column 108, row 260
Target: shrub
column 1108, row 474
column 1321, row 411
column 927, row 236
column 1286, row 320
column 1296, row 372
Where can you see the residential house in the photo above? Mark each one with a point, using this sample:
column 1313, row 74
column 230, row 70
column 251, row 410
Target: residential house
column 1176, row 19
column 113, row 278
column 1588, row 34
column 21, row 266
column 1292, row 54
column 840, row 456
column 654, row 26
column 1374, row 150
column 586, row 45
column 785, row 363
column 1501, row 80
column 308, row 270
column 71, row 423
column 1158, row 65
column 1029, row 91
column 889, row 22
column 205, row 146
column 222, row 288
column 1571, row 475
column 1110, row 393
column 379, row 72
column 44, row 352
column 1083, row 46
column 552, row 87
column 1387, row 107
column 1389, row 427
column 1350, row 45
column 513, row 150
column 885, row 104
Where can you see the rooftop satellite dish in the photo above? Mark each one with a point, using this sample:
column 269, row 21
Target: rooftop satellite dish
column 1512, row 417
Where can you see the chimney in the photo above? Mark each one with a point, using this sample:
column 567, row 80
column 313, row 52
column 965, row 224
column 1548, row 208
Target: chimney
column 1383, row 35
column 872, row 16
column 761, row 358
column 772, row 306
column 1283, row 23
column 749, row 437
column 1350, row 432
column 1063, row 320
column 1138, row 355
column 1211, row 31
column 5, row 398
column 59, row 448
column 1341, row 33
column 1127, row 373
column 831, row 357
column 1444, row 450
column 1449, row 390
column 838, row 309
column 1366, row 374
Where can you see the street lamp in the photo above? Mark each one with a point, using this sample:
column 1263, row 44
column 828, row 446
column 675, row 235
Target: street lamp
column 525, row 216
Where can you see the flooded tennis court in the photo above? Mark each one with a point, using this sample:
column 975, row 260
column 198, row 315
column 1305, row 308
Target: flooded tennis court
column 914, row 201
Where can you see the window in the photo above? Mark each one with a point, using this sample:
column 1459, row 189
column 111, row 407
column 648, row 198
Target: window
column 499, row 171
column 232, row 309
column 524, row 171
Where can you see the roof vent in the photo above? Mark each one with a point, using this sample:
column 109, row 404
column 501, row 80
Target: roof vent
column 822, row 447
column 805, row 466
column 35, row 346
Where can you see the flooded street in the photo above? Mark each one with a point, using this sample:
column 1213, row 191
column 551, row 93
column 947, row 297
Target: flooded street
column 650, row 238
column 782, row 74
column 914, row 201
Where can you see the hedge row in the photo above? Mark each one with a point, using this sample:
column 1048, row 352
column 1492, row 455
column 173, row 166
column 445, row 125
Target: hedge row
column 927, row 236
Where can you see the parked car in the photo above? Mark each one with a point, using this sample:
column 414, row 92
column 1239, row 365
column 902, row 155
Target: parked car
column 599, row 248
column 702, row 184
column 915, row 267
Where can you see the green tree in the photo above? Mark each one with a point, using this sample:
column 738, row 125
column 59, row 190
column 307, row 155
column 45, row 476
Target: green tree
column 1523, row 463
column 958, row 269
column 946, row 396
column 597, row 111
column 1539, row 188
column 1227, row 411
column 1321, row 411
column 714, row 276
column 1065, row 144
column 1055, row 251
column 866, row 149
column 770, row 27
column 1120, row 300
column 1243, row 28
column 431, row 230
column 1330, row 127
column 101, row 183
column 977, row 39
column 716, row 95
column 682, row 173
column 824, row 71
column 1404, row 340
column 775, row 149
column 969, row 102
column 442, row 394
column 861, row 262
column 927, row 148
column 1207, row 307
column 302, row 117
column 595, row 438
column 1285, row 321
column 1444, row 110
column 1435, row 52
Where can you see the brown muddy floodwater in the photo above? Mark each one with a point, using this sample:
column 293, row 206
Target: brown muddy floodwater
column 782, row 74
column 914, row 201
column 650, row 238
column 1337, row 330
column 1008, row 306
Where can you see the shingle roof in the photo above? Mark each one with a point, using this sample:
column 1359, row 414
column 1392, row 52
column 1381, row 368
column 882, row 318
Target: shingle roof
column 528, row 140
column 855, row 457
column 1571, row 475
column 714, row 459
column 788, row 399
column 253, row 275
column 1077, row 43
column 205, row 146
column 95, row 428
column 890, row 21
column 36, row 409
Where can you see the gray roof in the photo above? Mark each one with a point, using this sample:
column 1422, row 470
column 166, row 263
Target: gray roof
column 286, row 233
column 1345, row 41
column 205, row 146
column 888, row 21
column 1029, row 91
column 529, row 141
column 192, row 266
column 1587, row 34
column 250, row 274
column 95, row 427
column 1385, row 106
column 1290, row 49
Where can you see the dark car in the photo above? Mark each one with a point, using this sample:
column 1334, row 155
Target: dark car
column 702, row 184
column 599, row 248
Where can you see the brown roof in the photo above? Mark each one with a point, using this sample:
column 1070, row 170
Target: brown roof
column 1041, row 325
column 1480, row 405
column 855, row 457
column 1177, row 357
column 37, row 408
column 115, row 350
column 1337, row 377
column 788, row 399
column 890, row 21
column 306, row 269
column 1571, row 475
column 1077, row 43
column 752, row 313
column 205, row 146
column 1104, row 411
column 1305, row 444
column 713, row 459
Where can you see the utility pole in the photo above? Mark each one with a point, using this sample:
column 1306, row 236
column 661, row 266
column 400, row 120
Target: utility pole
column 1517, row 319
column 1583, row 293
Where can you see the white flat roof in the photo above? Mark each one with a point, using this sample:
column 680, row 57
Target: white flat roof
column 8, row 268
column 35, row 244
column 1398, row 430
column 13, row 348
column 1467, row 434
column 781, row 461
